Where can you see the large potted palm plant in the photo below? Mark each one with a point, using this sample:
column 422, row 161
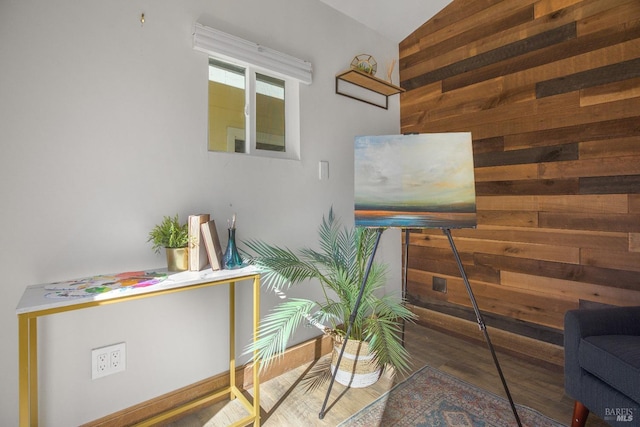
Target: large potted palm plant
column 338, row 267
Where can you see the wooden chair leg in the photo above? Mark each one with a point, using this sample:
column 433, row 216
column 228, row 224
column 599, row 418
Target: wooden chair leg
column 580, row 414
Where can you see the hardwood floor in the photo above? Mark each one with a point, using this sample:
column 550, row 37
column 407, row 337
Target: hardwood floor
column 285, row 400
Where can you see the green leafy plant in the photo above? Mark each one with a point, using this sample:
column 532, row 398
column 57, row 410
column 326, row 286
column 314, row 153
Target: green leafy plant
column 169, row 234
column 338, row 268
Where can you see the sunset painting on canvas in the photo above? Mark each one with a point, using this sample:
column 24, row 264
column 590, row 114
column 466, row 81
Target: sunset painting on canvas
column 415, row 181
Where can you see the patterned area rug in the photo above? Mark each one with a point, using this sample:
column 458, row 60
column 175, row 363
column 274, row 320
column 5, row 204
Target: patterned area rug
column 432, row 398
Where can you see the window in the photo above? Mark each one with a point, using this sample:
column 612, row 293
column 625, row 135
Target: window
column 231, row 117
column 227, row 99
column 253, row 96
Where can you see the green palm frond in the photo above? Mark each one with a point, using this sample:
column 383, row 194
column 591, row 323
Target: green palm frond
column 332, row 313
column 384, row 337
column 277, row 328
column 280, row 267
column 329, row 233
column 384, row 332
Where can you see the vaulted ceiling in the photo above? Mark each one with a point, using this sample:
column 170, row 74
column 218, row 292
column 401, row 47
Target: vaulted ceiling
column 394, row 19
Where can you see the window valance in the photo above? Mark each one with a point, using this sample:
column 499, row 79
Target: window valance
column 226, row 46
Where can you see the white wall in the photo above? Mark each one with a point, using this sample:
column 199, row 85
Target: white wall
column 103, row 131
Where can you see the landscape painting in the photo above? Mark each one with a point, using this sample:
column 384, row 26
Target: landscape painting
column 415, row 181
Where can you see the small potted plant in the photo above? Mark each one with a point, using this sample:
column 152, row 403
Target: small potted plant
column 174, row 237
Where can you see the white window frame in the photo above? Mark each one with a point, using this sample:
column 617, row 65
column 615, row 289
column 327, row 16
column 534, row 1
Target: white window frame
column 260, row 59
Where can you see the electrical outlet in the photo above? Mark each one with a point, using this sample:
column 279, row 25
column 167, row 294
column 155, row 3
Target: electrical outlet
column 102, row 363
column 108, row 360
column 114, row 358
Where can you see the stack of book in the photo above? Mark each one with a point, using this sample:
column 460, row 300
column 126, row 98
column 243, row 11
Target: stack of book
column 204, row 245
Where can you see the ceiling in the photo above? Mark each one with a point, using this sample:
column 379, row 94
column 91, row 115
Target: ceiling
column 394, row 19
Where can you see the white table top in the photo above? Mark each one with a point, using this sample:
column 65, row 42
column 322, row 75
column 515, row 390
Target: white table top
column 34, row 297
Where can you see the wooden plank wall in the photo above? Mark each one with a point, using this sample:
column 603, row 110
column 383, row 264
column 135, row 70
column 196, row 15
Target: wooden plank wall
column 550, row 90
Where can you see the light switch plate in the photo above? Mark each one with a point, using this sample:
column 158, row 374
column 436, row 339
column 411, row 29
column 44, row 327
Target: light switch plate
column 323, row 170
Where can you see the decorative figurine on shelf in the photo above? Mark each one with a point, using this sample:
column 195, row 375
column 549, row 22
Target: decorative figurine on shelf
column 365, row 63
column 231, row 256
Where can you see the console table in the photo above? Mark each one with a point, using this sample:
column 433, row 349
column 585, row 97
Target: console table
column 34, row 304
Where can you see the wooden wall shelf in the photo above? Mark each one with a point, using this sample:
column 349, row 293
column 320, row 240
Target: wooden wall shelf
column 369, row 82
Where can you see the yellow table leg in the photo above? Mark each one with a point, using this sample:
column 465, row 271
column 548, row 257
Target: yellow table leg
column 232, row 338
column 28, row 370
column 33, row 370
column 23, row 369
column 256, row 363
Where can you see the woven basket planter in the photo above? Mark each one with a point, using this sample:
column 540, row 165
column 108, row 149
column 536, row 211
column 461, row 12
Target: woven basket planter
column 357, row 368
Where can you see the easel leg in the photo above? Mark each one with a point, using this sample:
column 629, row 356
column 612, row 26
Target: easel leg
column 352, row 319
column 405, row 270
column 481, row 324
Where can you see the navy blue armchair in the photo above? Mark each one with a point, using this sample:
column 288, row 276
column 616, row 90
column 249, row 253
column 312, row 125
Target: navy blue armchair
column 602, row 364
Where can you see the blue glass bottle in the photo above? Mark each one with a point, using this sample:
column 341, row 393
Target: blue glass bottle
column 231, row 256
